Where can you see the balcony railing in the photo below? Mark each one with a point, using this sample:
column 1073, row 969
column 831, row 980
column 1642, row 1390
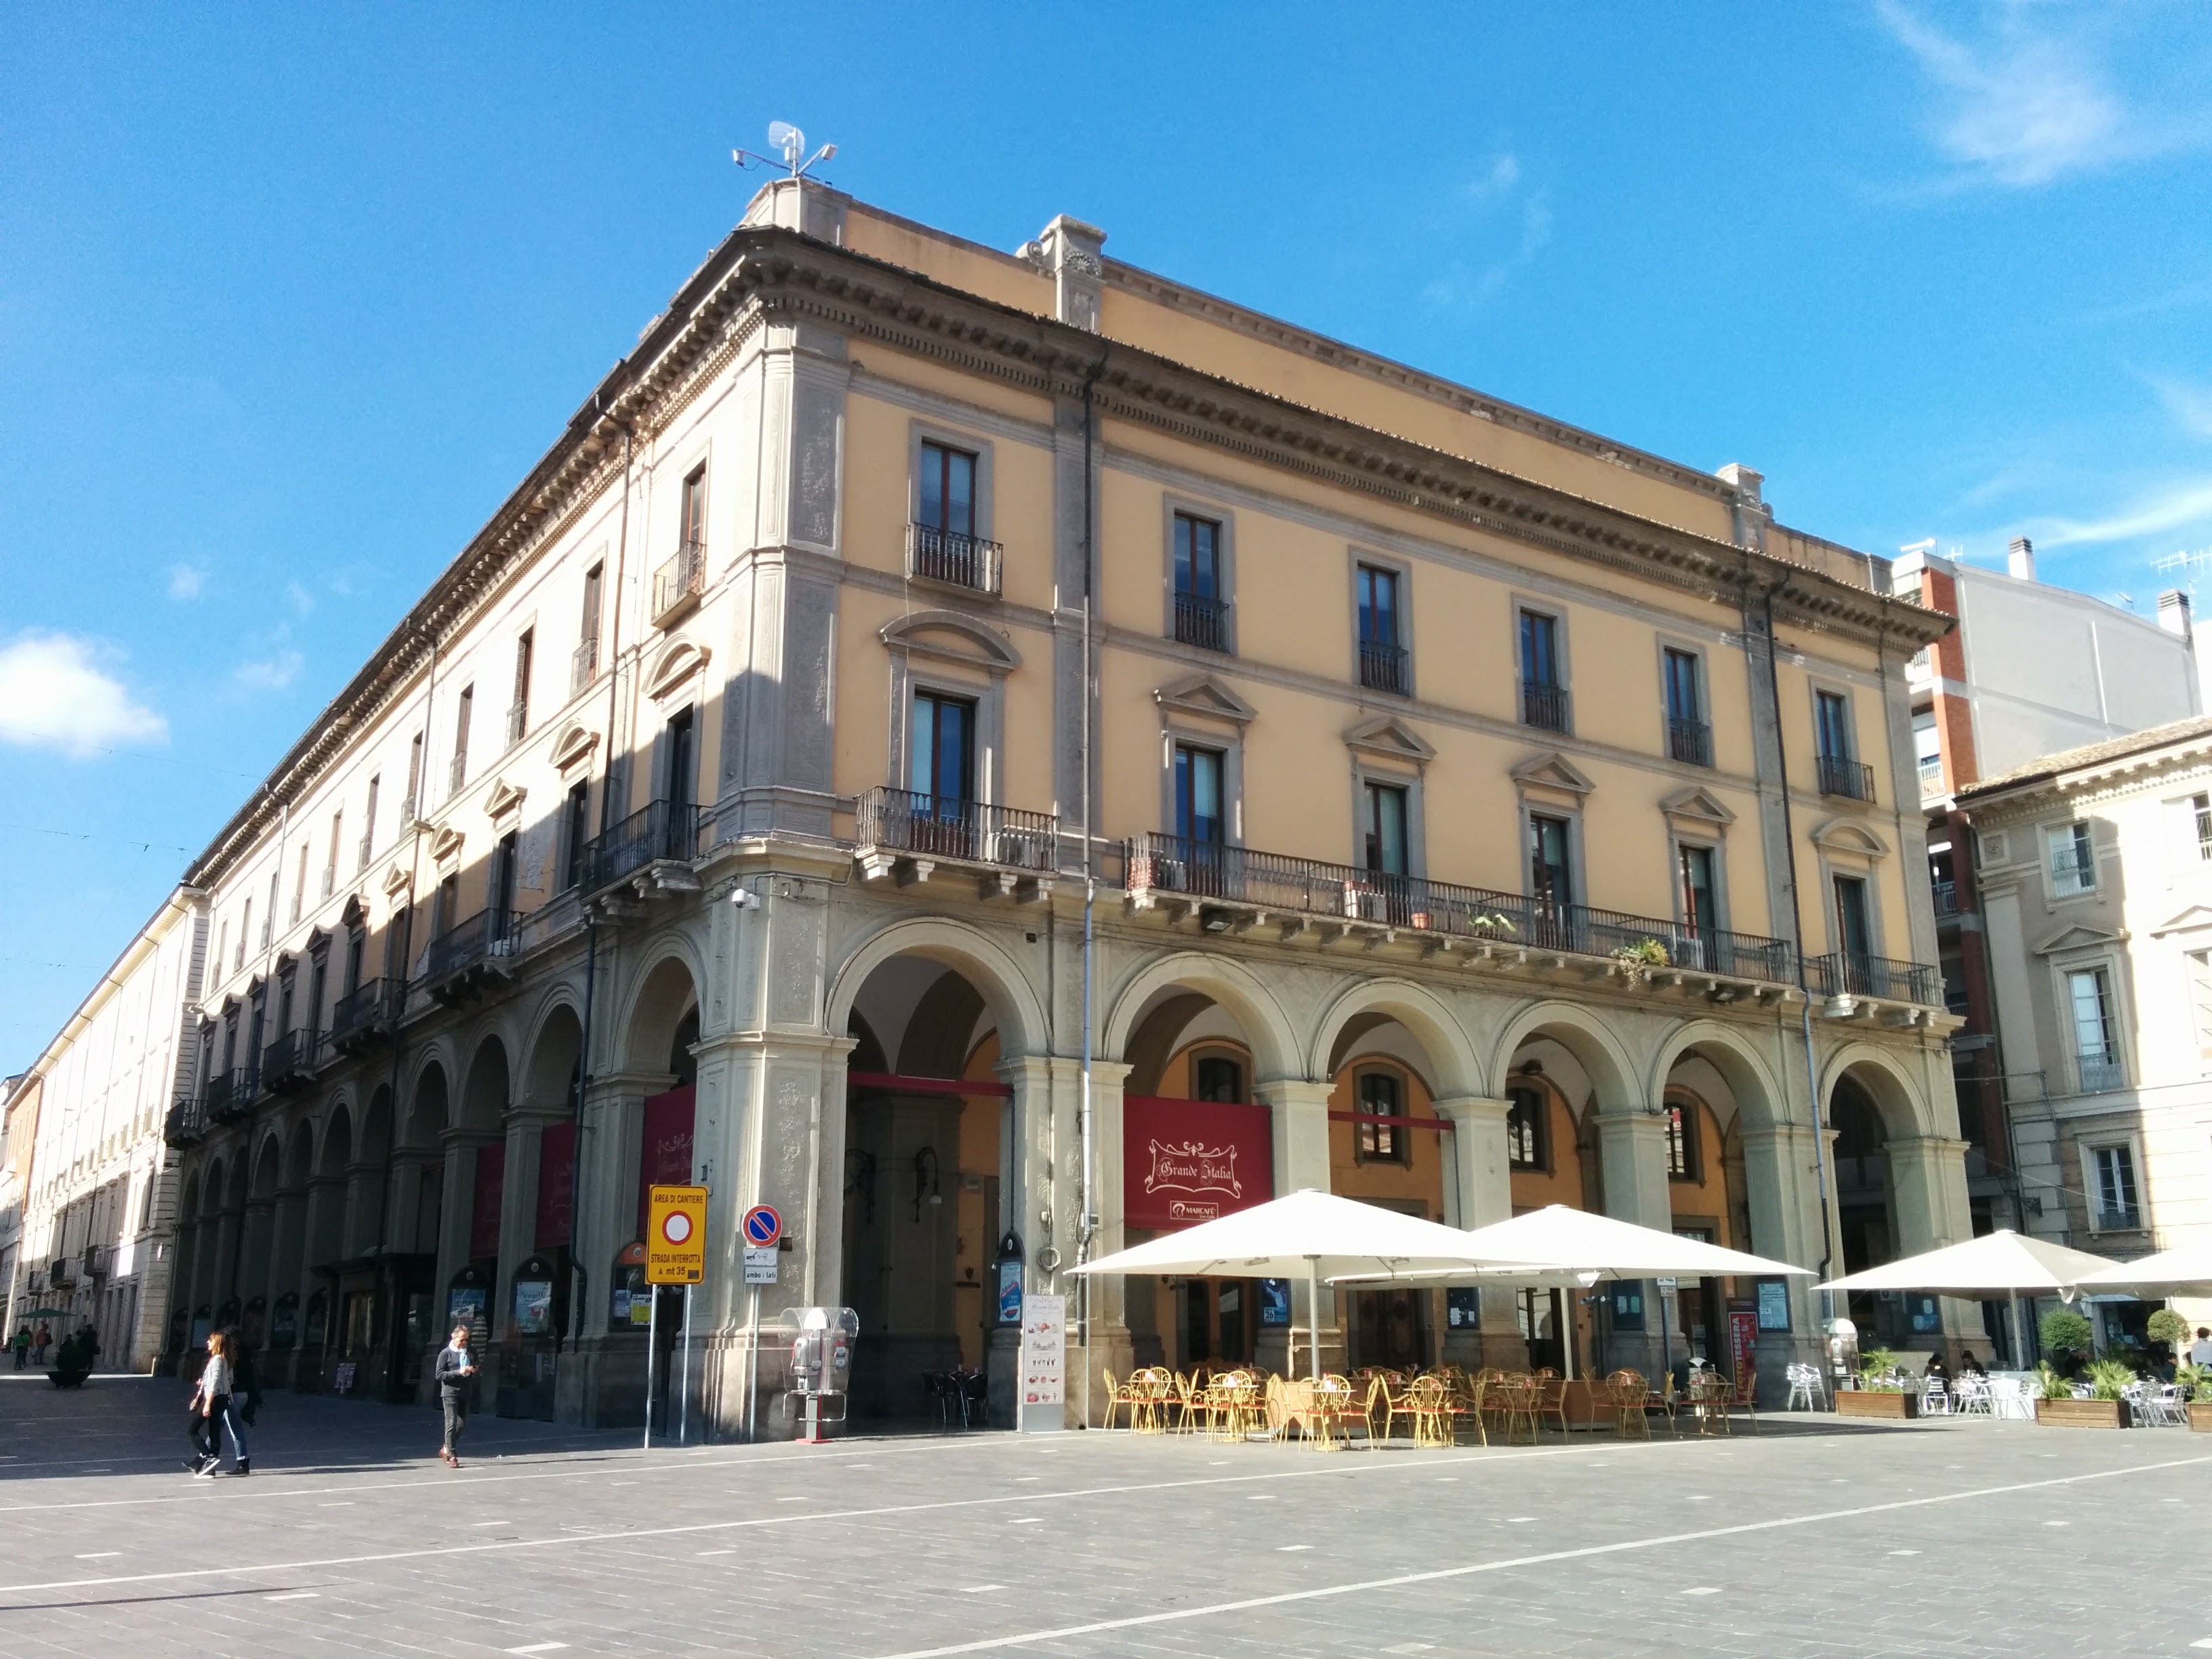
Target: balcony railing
column 2100, row 1074
column 289, row 1063
column 1931, row 777
column 61, row 1273
column 456, row 772
column 678, row 585
column 1385, row 667
column 1848, row 974
column 484, row 935
column 230, row 1094
column 1852, row 779
column 665, row 829
column 1946, row 894
column 95, row 1261
column 938, row 826
column 365, row 1012
column 946, row 555
column 1276, row 882
column 187, row 1122
column 1543, row 707
column 1201, row 622
column 518, row 723
column 2119, row 1221
column 584, row 667
column 1690, row 742
column 330, row 877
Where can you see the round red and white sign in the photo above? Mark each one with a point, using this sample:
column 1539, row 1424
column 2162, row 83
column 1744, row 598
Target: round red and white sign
column 675, row 1227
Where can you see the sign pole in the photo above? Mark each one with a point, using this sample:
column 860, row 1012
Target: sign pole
column 652, row 1341
column 752, row 1363
column 683, row 1388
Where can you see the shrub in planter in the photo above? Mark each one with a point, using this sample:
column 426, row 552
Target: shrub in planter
column 2065, row 1331
column 2166, row 1325
column 2110, row 1378
column 1877, row 1371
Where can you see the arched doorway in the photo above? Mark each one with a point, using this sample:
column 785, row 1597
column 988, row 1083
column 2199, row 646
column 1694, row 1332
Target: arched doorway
column 1865, row 1218
column 1387, row 1147
column 1714, row 1319
column 662, row 1030
column 1552, row 1156
column 926, row 1112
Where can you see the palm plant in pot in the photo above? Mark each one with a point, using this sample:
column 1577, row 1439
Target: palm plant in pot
column 1879, row 1392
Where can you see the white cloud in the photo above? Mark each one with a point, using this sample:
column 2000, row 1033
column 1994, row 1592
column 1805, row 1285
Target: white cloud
column 1497, row 194
column 2190, row 405
column 186, row 581
column 2166, row 508
column 2023, row 110
column 298, row 597
column 1503, row 173
column 268, row 673
column 55, row 695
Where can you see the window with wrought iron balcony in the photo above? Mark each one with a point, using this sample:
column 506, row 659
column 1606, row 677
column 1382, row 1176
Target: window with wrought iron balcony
column 1689, row 738
column 1385, row 664
column 1201, row 611
column 1839, row 772
column 678, row 584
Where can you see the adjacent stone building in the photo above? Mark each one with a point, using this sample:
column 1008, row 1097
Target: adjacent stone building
column 995, row 753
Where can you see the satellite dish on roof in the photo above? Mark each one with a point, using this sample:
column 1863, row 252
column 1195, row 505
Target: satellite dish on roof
column 784, row 136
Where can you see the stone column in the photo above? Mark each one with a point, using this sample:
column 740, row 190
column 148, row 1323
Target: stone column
column 1301, row 1126
column 1632, row 1157
column 1040, row 1117
column 325, row 1244
column 287, row 1247
column 362, row 1182
column 1928, row 1190
column 518, row 1209
column 1782, row 1188
column 1481, row 1194
column 609, row 1380
column 1107, row 1325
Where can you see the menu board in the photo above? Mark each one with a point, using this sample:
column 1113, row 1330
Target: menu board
column 1044, row 1358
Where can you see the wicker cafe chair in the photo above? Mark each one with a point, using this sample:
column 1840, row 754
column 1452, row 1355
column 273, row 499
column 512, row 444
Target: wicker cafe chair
column 1745, row 1398
column 1628, row 1399
column 1433, row 1404
column 1518, row 1399
column 1551, row 1397
column 1710, row 1395
column 1484, row 1392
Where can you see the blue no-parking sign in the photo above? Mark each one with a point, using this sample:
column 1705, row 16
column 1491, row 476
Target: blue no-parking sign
column 762, row 1227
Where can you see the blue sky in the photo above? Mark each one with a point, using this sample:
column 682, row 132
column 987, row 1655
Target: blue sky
column 289, row 298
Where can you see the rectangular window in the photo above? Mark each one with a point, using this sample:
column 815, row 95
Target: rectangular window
column 1834, row 734
column 586, row 662
column 331, row 867
column 222, row 947
column 269, row 916
column 445, row 905
column 1383, row 664
column 2115, row 1168
column 1854, row 922
column 368, row 822
column 396, row 941
column 2089, row 996
column 461, row 714
column 1384, row 852
column 941, row 754
column 1219, row 1079
column 692, row 524
column 245, row 927
column 2201, row 813
column 500, row 899
column 410, row 806
column 1551, row 869
column 1681, row 1142
column 1543, row 678
column 948, row 489
column 1199, row 795
column 2073, row 859
column 683, row 758
column 1380, row 1094
column 575, row 834
column 357, row 949
column 1201, row 612
column 1689, row 738
column 1700, row 903
column 1524, row 1129
column 518, row 713
column 299, row 890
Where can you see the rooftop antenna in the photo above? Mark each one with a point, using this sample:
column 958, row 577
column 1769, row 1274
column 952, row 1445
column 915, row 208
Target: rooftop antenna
column 783, row 136
column 2185, row 565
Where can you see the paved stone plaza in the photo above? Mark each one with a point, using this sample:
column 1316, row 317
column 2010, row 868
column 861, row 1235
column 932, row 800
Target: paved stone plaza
column 1810, row 1537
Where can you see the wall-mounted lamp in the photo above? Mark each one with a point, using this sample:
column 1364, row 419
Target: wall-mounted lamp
column 1214, row 920
column 926, row 1185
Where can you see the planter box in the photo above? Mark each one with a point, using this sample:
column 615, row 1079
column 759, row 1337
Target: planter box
column 2083, row 1413
column 2200, row 1416
column 1872, row 1402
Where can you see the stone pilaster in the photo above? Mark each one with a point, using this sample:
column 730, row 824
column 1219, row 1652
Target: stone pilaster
column 1300, row 1127
column 1480, row 1193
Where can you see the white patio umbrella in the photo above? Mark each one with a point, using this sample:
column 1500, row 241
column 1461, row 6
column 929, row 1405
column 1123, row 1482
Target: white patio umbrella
column 2182, row 1271
column 1309, row 1234
column 2002, row 1262
column 1558, row 1246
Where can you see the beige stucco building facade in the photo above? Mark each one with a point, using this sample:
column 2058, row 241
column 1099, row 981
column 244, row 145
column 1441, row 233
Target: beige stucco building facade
column 989, row 753
column 2095, row 874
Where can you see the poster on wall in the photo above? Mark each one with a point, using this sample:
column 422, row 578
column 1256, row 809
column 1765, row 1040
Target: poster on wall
column 1187, row 1161
column 1743, row 1342
column 1463, row 1307
column 557, row 1185
column 464, row 1306
column 1275, row 1301
column 1044, row 1363
column 533, row 1306
column 1773, row 1305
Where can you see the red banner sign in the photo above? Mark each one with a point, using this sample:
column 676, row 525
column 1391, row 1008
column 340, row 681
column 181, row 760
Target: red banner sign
column 1743, row 1340
column 490, row 1191
column 665, row 1159
column 556, row 1184
column 1187, row 1161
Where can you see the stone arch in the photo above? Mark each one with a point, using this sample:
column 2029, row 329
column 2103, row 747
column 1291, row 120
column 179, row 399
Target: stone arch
column 1007, row 993
column 556, row 1047
column 666, row 992
column 1420, row 1011
column 1603, row 1056
column 266, row 1163
column 1760, row 1099
column 337, row 1142
column 1276, row 1052
column 238, row 1179
column 376, row 1126
column 484, row 1096
column 211, row 1187
column 427, row 1111
column 300, row 1156
column 1895, row 1094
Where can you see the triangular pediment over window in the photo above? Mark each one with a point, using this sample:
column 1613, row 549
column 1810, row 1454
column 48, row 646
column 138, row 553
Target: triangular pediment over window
column 1550, row 769
column 1207, row 696
column 1391, row 739
column 447, row 846
column 1699, row 805
column 1849, row 837
column 505, row 798
column 2197, row 918
column 952, row 637
column 356, row 913
column 2079, row 938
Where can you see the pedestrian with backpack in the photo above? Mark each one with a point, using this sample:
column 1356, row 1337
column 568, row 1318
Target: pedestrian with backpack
column 212, row 1413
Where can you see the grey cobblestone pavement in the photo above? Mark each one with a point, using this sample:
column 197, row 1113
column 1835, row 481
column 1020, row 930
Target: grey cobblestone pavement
column 1810, row 1537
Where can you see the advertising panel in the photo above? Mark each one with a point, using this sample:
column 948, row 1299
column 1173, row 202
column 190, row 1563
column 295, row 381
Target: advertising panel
column 1044, row 1362
column 1187, row 1161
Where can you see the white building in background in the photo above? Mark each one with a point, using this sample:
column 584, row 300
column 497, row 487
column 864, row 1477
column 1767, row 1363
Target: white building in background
column 97, row 1213
column 2095, row 869
column 19, row 1128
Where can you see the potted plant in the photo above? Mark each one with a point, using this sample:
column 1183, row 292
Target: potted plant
column 1638, row 962
column 2105, row 1409
column 2167, row 1327
column 1879, row 1392
column 2196, row 1384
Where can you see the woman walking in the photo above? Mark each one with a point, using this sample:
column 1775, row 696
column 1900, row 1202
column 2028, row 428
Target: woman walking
column 211, row 1407
column 457, row 1370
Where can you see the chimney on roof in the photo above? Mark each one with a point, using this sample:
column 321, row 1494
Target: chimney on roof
column 2020, row 559
column 2173, row 612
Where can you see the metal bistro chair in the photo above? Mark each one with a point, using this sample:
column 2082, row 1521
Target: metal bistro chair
column 1935, row 1398
column 1710, row 1397
column 1808, row 1390
column 1970, row 1396
column 1519, row 1399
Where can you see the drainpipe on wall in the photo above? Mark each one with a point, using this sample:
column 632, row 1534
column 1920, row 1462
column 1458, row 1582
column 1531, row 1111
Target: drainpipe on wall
column 1087, row 1221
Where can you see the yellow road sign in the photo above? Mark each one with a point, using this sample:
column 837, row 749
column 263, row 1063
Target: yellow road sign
column 676, row 1235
